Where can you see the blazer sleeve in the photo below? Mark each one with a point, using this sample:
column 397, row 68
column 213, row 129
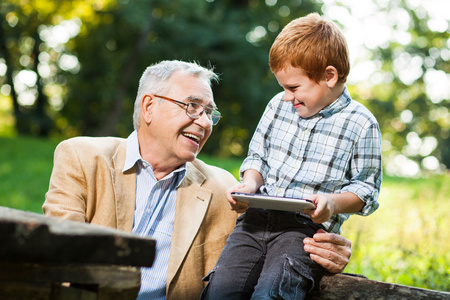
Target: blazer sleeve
column 67, row 190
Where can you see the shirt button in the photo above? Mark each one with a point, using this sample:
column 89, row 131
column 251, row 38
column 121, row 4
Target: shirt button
column 279, row 192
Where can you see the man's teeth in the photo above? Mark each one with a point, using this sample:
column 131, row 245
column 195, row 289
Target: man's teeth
column 192, row 137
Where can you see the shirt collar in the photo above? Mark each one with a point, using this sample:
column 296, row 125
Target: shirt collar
column 181, row 172
column 342, row 102
column 133, row 156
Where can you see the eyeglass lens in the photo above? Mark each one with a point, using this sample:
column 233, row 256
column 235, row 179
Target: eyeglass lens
column 194, row 110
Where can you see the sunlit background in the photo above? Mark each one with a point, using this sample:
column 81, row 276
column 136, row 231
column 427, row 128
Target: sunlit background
column 367, row 28
column 70, row 68
column 399, row 54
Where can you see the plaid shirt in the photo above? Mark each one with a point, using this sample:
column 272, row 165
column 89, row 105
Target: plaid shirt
column 337, row 150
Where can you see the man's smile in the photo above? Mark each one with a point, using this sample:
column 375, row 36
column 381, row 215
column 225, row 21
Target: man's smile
column 195, row 138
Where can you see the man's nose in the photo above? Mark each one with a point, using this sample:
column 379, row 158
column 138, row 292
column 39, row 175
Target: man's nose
column 204, row 121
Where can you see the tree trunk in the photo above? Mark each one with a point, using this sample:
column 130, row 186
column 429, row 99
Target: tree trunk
column 109, row 126
column 9, row 74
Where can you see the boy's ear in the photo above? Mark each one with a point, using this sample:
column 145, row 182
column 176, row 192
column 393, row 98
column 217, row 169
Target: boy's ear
column 147, row 102
column 331, row 76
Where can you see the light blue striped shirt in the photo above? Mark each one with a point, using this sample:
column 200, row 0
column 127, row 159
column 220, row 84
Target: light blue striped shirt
column 153, row 216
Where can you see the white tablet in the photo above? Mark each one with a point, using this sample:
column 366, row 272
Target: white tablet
column 274, row 202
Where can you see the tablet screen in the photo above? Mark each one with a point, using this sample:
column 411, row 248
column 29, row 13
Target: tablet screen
column 274, row 202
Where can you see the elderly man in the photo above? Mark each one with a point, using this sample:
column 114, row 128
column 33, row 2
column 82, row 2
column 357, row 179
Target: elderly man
column 152, row 184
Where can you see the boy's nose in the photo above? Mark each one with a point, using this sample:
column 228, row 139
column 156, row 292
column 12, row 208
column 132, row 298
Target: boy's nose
column 288, row 97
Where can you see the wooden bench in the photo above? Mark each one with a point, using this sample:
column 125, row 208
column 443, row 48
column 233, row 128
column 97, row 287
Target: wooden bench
column 49, row 258
column 352, row 287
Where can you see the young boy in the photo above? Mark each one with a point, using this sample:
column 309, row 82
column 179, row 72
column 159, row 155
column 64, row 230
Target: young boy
column 313, row 141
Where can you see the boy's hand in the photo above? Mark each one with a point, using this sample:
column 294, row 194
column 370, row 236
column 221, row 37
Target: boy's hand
column 237, row 205
column 325, row 208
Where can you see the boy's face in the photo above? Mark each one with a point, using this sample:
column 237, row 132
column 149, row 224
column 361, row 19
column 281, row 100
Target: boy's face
column 307, row 96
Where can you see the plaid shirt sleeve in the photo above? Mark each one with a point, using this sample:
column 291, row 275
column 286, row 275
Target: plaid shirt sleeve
column 365, row 169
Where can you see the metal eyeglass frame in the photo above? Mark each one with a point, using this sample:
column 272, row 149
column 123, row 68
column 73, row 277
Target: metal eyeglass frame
column 212, row 114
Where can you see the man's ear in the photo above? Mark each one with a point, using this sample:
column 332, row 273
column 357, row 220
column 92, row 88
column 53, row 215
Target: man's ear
column 331, row 76
column 147, row 102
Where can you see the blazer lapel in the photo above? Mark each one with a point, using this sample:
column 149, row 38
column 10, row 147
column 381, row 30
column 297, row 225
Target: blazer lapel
column 192, row 204
column 124, row 189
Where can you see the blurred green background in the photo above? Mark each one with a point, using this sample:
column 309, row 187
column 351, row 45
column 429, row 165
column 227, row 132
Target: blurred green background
column 70, row 68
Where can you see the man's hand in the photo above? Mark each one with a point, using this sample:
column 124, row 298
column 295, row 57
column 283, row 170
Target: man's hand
column 329, row 250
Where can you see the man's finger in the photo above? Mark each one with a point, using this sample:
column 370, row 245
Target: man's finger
column 330, row 266
column 331, row 238
column 339, row 255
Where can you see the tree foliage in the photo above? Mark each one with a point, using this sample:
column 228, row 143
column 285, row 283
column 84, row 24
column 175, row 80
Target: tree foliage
column 72, row 68
column 409, row 91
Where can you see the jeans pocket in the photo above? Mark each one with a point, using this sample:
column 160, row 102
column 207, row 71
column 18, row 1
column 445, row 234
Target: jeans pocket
column 240, row 218
column 294, row 282
column 209, row 275
column 306, row 222
column 205, row 295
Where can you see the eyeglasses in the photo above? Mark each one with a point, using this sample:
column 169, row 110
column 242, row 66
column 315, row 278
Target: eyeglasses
column 195, row 110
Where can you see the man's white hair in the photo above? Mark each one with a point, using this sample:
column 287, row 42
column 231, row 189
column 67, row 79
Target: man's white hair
column 155, row 78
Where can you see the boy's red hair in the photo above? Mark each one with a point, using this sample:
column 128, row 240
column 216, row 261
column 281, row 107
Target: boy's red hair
column 311, row 43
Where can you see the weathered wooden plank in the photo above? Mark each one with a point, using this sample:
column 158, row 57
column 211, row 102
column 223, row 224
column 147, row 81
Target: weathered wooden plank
column 346, row 286
column 31, row 237
column 102, row 275
column 68, row 281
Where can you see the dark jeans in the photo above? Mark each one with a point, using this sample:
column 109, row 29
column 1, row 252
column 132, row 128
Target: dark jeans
column 264, row 258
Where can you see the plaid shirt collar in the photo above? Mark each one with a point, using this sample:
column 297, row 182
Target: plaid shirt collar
column 342, row 102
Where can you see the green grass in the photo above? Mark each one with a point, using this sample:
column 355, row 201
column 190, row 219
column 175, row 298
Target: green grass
column 25, row 167
column 406, row 241
column 230, row 164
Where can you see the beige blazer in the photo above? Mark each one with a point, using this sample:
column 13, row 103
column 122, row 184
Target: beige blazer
column 87, row 185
